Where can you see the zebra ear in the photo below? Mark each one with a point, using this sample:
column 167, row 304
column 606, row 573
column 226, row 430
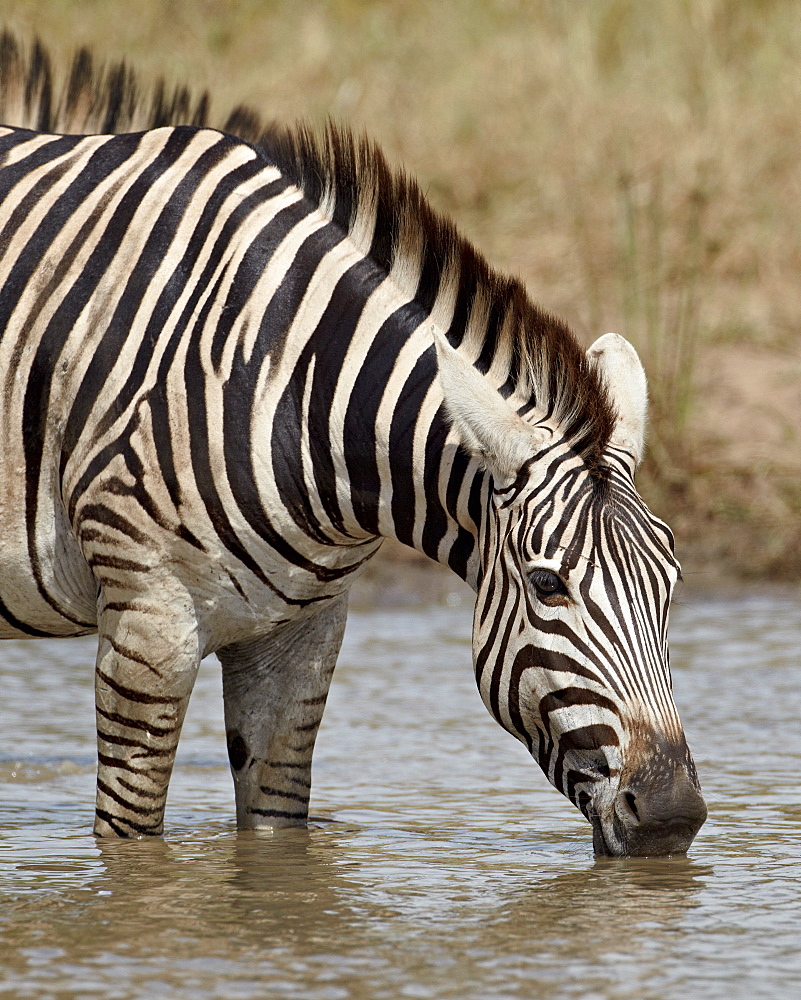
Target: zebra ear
column 486, row 424
column 624, row 375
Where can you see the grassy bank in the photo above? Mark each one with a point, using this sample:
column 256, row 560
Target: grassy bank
column 637, row 164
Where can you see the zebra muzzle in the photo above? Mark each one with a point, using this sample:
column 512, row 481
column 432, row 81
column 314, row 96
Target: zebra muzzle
column 652, row 818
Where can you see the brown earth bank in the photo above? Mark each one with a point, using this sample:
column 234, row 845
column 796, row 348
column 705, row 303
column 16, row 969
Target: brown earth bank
column 636, row 164
column 730, row 487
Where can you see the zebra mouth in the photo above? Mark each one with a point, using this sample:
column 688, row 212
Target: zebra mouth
column 671, row 837
column 600, row 845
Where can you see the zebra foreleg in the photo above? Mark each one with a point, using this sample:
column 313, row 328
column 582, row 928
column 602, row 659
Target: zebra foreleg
column 275, row 688
column 147, row 662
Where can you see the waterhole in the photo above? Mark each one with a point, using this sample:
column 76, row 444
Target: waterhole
column 440, row 862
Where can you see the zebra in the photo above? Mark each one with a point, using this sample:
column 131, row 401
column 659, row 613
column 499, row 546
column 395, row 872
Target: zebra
column 235, row 360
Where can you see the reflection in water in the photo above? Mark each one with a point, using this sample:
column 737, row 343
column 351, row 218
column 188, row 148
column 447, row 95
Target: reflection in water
column 452, row 869
column 288, row 904
column 610, row 912
column 603, row 903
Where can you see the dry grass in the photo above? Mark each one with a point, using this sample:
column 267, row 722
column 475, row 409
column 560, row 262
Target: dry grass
column 637, row 164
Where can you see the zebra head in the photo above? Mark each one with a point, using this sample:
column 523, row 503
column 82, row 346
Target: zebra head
column 570, row 628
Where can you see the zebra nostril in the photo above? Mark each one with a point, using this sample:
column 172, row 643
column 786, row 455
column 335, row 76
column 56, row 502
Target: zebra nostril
column 631, row 801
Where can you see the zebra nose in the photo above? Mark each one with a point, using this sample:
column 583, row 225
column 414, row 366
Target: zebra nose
column 661, row 817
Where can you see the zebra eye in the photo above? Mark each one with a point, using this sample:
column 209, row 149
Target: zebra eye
column 548, row 586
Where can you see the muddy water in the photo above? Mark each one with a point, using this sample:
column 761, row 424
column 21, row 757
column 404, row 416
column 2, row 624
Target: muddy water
column 441, row 864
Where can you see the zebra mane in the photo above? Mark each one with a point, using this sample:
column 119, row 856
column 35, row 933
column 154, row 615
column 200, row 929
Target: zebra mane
column 527, row 351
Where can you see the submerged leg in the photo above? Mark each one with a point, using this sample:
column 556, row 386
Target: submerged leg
column 147, row 661
column 275, row 689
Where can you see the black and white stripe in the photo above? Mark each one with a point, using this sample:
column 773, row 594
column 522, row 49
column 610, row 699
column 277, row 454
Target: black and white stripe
column 230, row 367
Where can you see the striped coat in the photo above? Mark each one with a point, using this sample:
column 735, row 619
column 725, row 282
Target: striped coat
column 232, row 363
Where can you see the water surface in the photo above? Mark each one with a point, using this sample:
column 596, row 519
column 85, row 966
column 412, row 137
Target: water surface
column 441, row 864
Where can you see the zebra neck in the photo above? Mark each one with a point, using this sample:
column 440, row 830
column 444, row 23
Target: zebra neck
column 402, row 474
column 335, row 372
